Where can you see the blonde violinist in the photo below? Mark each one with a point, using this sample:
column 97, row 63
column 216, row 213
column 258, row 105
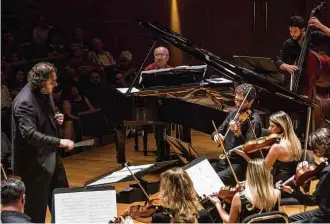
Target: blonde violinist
column 259, row 195
column 284, row 155
column 178, row 196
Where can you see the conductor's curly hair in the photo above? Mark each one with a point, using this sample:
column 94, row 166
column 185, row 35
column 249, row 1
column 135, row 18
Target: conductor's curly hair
column 39, row 74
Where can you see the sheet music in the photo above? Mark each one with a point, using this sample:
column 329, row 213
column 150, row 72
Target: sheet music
column 120, row 174
column 85, row 207
column 124, row 90
column 206, row 181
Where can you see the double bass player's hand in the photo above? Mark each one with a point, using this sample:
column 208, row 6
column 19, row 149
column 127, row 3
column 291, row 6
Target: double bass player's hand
column 314, row 22
column 289, row 68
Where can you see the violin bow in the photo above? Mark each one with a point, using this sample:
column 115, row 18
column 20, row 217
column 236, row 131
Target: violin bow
column 4, row 172
column 138, row 182
column 226, row 154
column 309, row 112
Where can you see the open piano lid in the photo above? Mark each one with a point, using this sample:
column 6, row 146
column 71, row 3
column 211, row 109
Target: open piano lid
column 270, row 95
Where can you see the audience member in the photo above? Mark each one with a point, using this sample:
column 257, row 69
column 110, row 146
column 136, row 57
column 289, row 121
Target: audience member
column 17, row 82
column 40, row 35
column 126, row 67
column 55, row 44
column 79, row 40
column 41, row 30
column 11, row 49
column 99, row 56
column 94, row 89
column 74, row 105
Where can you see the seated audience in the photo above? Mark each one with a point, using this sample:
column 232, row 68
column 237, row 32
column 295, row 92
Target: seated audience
column 12, row 201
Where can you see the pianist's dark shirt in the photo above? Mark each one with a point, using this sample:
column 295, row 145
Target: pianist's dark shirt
column 232, row 140
column 291, row 49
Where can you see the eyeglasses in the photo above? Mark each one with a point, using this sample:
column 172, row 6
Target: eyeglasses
column 160, row 55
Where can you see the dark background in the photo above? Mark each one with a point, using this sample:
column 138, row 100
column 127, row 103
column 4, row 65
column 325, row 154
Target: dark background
column 224, row 27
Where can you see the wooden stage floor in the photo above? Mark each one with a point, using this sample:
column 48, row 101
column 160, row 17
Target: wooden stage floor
column 94, row 162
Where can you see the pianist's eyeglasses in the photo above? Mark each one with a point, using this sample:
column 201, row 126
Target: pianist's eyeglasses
column 160, row 55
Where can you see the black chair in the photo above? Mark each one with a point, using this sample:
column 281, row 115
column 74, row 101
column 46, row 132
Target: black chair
column 267, row 217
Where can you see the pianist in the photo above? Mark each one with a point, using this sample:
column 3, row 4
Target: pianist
column 161, row 57
column 248, row 131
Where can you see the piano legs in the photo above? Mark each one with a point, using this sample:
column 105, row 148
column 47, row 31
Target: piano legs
column 120, row 144
column 163, row 148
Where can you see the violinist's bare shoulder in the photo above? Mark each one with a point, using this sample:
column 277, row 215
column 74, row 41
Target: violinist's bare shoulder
column 275, row 149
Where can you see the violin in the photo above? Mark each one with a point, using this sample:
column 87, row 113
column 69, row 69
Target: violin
column 259, row 143
column 142, row 211
column 308, row 173
column 227, row 193
column 241, row 119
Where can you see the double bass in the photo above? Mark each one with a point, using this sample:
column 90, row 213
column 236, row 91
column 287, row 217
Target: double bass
column 312, row 78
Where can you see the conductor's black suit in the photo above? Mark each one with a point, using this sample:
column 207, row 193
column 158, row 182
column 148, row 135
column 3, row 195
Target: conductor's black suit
column 35, row 144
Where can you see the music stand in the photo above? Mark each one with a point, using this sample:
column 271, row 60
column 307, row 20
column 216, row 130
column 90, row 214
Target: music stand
column 133, row 192
column 260, row 65
column 170, row 77
column 184, row 150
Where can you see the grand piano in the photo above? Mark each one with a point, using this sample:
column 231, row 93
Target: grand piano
column 196, row 104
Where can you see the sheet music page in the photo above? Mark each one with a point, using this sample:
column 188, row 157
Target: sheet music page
column 124, row 90
column 120, row 174
column 206, row 181
column 85, row 207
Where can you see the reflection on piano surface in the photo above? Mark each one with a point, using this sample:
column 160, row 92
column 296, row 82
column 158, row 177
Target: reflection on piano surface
column 178, row 95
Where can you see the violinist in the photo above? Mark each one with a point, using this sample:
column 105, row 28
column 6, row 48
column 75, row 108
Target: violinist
column 284, row 155
column 258, row 196
column 291, row 47
column 321, row 197
column 238, row 134
column 178, row 196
